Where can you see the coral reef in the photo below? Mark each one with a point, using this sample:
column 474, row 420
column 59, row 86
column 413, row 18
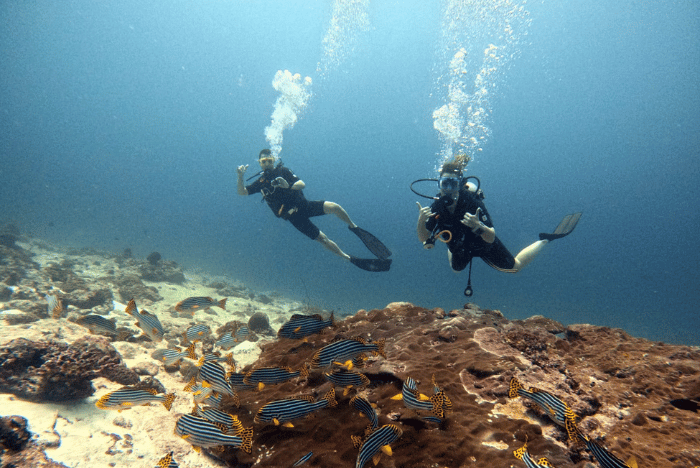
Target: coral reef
column 153, row 258
column 162, row 271
column 131, row 287
column 621, row 387
column 259, row 323
column 54, row 371
column 17, row 449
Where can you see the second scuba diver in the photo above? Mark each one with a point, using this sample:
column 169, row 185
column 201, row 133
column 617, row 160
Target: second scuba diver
column 458, row 217
column 282, row 190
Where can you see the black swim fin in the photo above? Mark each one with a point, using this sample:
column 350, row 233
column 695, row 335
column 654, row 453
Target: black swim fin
column 372, row 243
column 564, row 229
column 371, row 264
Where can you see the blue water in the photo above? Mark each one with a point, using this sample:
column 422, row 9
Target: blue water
column 121, row 125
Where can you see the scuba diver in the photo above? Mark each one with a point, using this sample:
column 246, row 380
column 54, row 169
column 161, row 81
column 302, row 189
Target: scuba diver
column 282, row 191
column 458, row 217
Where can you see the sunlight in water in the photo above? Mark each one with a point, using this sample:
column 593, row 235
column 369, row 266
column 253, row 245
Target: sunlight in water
column 480, row 38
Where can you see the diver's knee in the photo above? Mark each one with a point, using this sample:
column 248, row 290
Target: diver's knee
column 330, row 207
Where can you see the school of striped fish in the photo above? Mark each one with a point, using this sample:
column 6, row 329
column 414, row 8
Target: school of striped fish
column 217, row 382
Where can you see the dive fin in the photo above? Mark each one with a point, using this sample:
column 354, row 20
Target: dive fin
column 371, row 264
column 564, row 229
column 372, row 243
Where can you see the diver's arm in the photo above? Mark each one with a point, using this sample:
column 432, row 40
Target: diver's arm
column 298, row 185
column 488, row 234
column 424, row 213
column 241, row 185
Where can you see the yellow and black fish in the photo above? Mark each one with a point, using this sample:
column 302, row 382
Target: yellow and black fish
column 273, row 375
column 604, row 457
column 197, row 333
column 522, row 454
column 376, row 443
column 366, row 409
column 147, row 322
column 126, row 398
column 552, row 406
column 203, row 433
column 438, row 404
column 282, row 411
column 343, row 352
column 55, row 306
column 171, row 356
column 300, row 326
column 167, row 462
column 193, row 304
column 347, row 379
column 97, row 324
column 214, row 375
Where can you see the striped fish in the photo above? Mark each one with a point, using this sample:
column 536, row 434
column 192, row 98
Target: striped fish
column 376, row 443
column 216, row 357
column 554, row 407
column 366, row 409
column 604, row 457
column 343, row 351
column 214, row 375
column 522, row 454
column 126, row 398
column 235, row 379
column 97, row 324
column 282, row 411
column 202, row 433
column 228, row 422
column 226, row 342
column 347, row 379
column 303, row 459
column 273, row 375
column 196, row 333
column 55, row 308
column 147, row 322
column 167, row 462
column 438, row 404
column 171, row 356
column 242, row 334
column 192, row 304
column 300, row 326
column 199, row 391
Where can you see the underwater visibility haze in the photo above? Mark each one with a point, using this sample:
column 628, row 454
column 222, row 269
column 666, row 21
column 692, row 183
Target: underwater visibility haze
column 122, row 125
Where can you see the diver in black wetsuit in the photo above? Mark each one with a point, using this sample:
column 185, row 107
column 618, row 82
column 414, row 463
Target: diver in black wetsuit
column 460, row 219
column 282, row 191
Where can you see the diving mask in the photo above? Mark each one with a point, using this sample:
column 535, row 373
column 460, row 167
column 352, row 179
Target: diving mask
column 449, row 184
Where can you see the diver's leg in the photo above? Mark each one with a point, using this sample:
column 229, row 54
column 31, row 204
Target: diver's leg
column 334, row 208
column 330, row 245
column 527, row 255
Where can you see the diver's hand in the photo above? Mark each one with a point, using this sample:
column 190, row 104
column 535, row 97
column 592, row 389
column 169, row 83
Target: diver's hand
column 242, row 169
column 280, row 182
column 472, row 222
column 424, row 212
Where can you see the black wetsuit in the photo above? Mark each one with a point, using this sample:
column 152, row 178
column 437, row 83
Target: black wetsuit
column 288, row 204
column 464, row 244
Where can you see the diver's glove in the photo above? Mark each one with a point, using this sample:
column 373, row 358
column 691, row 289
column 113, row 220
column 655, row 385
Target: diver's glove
column 280, row 182
column 473, row 222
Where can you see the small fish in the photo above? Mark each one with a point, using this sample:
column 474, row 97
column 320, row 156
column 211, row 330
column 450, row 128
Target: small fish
column 192, row 304
column 604, row 457
column 147, row 322
column 366, row 409
column 438, row 404
column 282, row 411
column 202, row 433
column 55, row 306
column 554, row 407
column 126, row 398
column 167, row 462
column 97, row 324
column 197, row 333
column 347, row 379
column 214, row 375
column 343, row 351
column 241, row 334
column 171, row 356
column 300, row 326
column 273, row 375
column 235, row 379
column 217, row 357
column 303, row 459
column 226, row 342
column 522, row 454
column 228, row 421
column 376, row 443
